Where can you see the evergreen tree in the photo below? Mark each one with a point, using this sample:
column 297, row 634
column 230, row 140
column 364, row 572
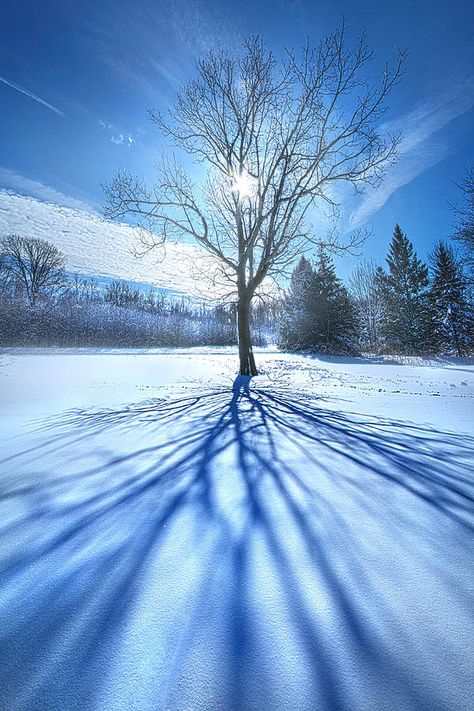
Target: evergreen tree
column 405, row 321
column 301, row 279
column 296, row 317
column 451, row 314
column 320, row 315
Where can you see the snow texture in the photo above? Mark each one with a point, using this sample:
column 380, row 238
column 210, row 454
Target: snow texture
column 175, row 538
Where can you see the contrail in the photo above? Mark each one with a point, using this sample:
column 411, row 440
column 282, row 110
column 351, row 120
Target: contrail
column 22, row 90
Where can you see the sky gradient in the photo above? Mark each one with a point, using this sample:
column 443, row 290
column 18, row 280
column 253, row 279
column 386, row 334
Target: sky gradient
column 76, row 80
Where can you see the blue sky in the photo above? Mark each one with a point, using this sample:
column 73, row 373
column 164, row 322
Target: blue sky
column 76, row 80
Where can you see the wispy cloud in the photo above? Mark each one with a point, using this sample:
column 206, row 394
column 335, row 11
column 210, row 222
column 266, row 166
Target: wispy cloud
column 153, row 49
column 105, row 125
column 33, row 96
column 120, row 140
column 95, row 246
column 16, row 182
column 117, row 137
column 420, row 148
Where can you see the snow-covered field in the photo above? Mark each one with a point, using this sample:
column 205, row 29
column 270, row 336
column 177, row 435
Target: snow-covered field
column 172, row 539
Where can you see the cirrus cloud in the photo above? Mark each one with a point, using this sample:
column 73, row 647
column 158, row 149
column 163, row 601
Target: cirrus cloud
column 420, row 148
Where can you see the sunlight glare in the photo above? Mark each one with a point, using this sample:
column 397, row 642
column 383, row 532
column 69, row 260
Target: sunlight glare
column 243, row 184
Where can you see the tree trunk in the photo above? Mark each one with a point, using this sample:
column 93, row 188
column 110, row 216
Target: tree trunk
column 246, row 357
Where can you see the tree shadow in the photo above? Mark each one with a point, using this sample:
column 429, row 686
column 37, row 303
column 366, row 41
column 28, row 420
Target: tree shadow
column 447, row 362
column 273, row 525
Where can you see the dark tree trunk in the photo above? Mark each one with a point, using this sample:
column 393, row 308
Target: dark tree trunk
column 246, row 357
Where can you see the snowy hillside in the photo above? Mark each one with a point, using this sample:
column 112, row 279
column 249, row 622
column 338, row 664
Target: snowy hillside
column 174, row 538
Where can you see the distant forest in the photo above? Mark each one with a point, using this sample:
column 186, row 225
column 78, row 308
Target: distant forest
column 406, row 307
column 40, row 305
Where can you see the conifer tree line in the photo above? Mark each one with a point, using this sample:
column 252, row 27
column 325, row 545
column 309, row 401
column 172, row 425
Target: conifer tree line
column 405, row 307
column 319, row 313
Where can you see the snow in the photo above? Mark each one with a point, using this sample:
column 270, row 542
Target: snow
column 174, row 538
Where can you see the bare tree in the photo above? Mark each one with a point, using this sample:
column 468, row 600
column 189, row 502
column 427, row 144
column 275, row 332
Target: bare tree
column 364, row 289
column 120, row 293
column 465, row 219
column 3, row 271
column 274, row 137
column 33, row 263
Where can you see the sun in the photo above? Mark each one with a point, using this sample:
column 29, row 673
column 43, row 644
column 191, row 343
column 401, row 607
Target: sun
column 243, row 184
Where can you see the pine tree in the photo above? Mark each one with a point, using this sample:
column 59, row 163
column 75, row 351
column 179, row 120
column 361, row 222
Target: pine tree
column 403, row 288
column 295, row 327
column 452, row 317
column 323, row 317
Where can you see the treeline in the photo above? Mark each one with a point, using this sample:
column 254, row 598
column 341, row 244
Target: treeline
column 408, row 307
column 41, row 306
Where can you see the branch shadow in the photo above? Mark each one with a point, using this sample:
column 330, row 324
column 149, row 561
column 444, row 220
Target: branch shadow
column 274, row 505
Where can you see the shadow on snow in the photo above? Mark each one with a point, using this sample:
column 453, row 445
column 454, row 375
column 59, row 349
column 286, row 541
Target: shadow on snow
column 283, row 515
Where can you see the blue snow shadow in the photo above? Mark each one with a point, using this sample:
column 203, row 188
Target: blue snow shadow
column 301, row 517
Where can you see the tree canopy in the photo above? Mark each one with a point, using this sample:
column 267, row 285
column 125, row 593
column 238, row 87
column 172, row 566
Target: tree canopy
column 275, row 135
column 32, row 263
